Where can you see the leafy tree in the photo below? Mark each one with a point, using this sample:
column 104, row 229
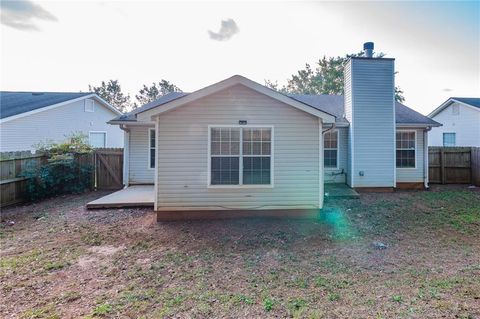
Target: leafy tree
column 325, row 78
column 112, row 93
column 149, row 94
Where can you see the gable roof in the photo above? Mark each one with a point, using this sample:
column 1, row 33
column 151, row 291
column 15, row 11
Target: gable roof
column 146, row 115
column 473, row 102
column 16, row 104
column 331, row 104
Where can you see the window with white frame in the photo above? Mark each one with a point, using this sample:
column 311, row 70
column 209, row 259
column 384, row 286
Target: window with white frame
column 89, row 105
column 330, row 149
column 449, row 139
column 240, row 155
column 151, row 148
column 97, row 139
column 406, row 149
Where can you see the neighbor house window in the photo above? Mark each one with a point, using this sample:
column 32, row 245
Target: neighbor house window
column 449, row 139
column 455, row 109
column 151, row 148
column 97, row 139
column 240, row 155
column 406, row 149
column 89, row 105
column 330, row 149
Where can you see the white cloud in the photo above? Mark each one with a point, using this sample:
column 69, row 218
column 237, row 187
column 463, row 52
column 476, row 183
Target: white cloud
column 19, row 14
column 228, row 29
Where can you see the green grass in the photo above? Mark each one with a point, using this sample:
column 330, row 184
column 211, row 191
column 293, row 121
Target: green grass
column 102, row 310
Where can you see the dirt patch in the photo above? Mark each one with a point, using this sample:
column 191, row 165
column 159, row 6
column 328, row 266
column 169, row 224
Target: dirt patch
column 61, row 260
column 105, row 250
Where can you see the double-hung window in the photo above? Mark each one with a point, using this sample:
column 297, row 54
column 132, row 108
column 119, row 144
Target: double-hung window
column 406, row 149
column 330, row 149
column 240, row 155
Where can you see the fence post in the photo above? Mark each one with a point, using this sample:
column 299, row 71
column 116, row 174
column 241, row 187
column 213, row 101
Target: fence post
column 442, row 166
column 472, row 179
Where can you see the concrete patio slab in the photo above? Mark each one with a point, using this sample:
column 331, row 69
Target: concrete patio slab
column 132, row 196
column 335, row 190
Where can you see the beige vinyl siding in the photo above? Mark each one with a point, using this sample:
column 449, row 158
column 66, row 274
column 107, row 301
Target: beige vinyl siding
column 183, row 153
column 372, row 130
column 140, row 171
column 330, row 173
column 54, row 124
column 414, row 175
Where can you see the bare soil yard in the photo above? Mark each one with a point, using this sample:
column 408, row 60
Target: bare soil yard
column 61, row 261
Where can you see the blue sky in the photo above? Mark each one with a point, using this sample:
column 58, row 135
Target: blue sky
column 65, row 46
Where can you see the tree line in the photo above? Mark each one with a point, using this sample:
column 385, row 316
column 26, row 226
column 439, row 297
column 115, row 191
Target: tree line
column 111, row 92
column 326, row 77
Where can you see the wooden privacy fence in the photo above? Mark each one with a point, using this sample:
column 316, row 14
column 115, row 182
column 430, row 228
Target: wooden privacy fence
column 107, row 164
column 12, row 165
column 109, row 168
column 454, row 165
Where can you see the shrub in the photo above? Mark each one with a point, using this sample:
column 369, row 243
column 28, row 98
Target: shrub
column 63, row 173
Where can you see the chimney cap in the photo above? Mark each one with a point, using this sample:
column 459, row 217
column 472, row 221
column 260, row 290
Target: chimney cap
column 368, row 46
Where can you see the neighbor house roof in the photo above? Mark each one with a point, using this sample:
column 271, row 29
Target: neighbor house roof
column 331, row 104
column 19, row 103
column 469, row 101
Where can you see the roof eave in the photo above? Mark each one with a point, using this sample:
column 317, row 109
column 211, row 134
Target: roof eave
column 411, row 125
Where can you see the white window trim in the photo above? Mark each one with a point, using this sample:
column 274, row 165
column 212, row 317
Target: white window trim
column 150, row 130
column 106, row 140
column 240, row 164
column 443, row 139
column 416, row 149
column 338, row 153
column 85, row 105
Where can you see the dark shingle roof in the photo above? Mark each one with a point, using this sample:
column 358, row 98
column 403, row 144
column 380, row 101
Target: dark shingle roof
column 473, row 101
column 131, row 116
column 332, row 104
column 14, row 103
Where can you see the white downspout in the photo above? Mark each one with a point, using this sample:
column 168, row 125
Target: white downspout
column 425, row 155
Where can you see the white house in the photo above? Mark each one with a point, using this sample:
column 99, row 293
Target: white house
column 460, row 119
column 29, row 118
column 237, row 145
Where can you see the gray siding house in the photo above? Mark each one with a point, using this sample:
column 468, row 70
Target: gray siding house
column 239, row 146
column 30, row 118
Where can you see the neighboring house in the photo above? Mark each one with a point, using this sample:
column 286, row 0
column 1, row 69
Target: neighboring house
column 238, row 145
column 460, row 119
column 29, row 118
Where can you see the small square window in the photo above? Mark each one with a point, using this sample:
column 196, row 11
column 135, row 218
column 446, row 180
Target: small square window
column 449, row 139
column 89, row 105
column 97, row 139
